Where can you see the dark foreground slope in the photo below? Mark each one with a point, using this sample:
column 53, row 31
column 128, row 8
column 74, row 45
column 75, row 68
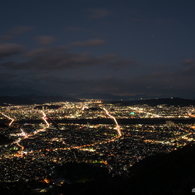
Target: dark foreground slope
column 169, row 174
column 172, row 174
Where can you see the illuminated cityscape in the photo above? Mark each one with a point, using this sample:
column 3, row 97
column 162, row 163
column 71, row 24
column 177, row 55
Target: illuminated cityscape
column 39, row 143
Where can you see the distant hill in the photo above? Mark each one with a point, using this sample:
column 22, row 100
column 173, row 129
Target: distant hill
column 155, row 102
column 33, row 99
column 110, row 97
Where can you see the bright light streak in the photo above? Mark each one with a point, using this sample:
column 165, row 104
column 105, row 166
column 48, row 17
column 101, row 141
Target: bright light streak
column 117, row 125
column 12, row 120
column 22, row 147
column 46, row 180
column 44, row 116
column 191, row 115
column 23, row 133
column 85, row 107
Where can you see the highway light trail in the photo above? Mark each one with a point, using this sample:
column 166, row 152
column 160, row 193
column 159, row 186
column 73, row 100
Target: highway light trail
column 117, row 125
column 85, row 107
column 193, row 116
column 44, row 118
column 12, row 120
column 25, row 136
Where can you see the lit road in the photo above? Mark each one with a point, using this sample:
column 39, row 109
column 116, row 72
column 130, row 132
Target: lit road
column 25, row 135
column 44, row 117
column 12, row 120
column 117, row 125
column 193, row 116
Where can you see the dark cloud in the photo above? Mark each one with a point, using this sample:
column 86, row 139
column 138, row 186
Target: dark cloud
column 45, row 40
column 57, row 59
column 7, row 78
column 113, row 85
column 160, row 66
column 188, row 62
column 9, row 49
column 153, row 21
column 123, row 63
column 75, row 29
column 6, row 37
column 7, row 75
column 44, row 51
column 18, row 30
column 89, row 43
column 99, row 13
column 178, row 83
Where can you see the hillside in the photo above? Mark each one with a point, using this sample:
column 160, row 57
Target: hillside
column 162, row 174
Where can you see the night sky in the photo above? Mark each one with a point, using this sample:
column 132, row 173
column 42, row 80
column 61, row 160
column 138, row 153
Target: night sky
column 121, row 47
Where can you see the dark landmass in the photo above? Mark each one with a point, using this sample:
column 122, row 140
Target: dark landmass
column 93, row 109
column 33, row 99
column 110, row 97
column 7, row 100
column 155, row 102
column 126, row 121
column 110, row 121
column 3, row 123
column 4, row 140
column 47, row 107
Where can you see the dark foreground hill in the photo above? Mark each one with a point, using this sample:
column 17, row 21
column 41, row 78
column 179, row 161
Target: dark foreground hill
column 163, row 174
column 172, row 173
column 4, row 140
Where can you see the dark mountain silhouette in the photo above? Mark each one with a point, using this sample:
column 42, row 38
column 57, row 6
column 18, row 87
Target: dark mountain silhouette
column 33, row 99
column 104, row 96
column 167, row 101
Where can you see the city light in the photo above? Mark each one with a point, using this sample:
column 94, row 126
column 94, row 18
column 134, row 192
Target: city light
column 114, row 146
